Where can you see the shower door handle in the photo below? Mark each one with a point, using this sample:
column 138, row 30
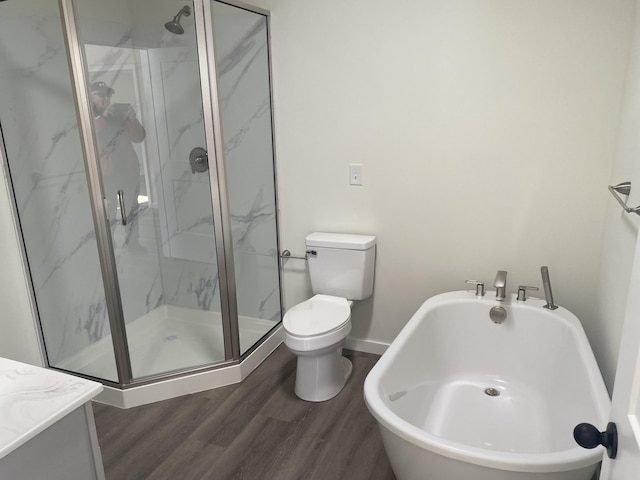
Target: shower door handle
column 123, row 213
column 198, row 160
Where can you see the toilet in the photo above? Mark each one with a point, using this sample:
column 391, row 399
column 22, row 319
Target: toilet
column 341, row 268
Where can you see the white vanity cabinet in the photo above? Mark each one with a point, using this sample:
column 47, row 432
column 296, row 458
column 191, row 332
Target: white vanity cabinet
column 47, row 430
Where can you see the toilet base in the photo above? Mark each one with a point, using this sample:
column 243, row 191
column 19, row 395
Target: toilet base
column 322, row 376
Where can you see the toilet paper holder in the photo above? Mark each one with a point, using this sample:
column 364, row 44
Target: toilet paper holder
column 287, row 254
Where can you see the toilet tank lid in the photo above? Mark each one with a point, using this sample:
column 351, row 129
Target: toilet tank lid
column 340, row 240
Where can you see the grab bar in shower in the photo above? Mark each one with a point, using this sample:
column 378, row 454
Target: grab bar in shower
column 623, row 188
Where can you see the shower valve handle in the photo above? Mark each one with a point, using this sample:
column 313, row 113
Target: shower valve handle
column 588, row 436
column 198, row 160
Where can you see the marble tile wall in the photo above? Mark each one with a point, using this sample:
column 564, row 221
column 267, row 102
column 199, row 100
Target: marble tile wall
column 243, row 82
column 38, row 119
column 189, row 273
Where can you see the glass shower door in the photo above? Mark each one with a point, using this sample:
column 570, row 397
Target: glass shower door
column 144, row 88
column 243, row 78
column 52, row 200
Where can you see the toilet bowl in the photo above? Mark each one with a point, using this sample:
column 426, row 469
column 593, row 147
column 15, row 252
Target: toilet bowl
column 315, row 331
column 340, row 267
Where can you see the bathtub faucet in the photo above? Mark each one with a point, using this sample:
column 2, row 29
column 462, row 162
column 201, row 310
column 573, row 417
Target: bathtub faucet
column 548, row 294
column 500, row 284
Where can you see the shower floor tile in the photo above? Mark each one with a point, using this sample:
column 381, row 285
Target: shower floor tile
column 166, row 339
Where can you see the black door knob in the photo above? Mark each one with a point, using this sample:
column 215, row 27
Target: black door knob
column 588, row 436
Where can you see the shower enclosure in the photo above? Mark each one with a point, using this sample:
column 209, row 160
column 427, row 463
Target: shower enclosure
column 137, row 139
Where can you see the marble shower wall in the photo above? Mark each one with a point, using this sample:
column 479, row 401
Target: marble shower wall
column 157, row 72
column 244, row 88
column 38, row 120
column 187, row 250
column 187, row 260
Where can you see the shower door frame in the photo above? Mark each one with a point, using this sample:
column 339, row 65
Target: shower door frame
column 203, row 16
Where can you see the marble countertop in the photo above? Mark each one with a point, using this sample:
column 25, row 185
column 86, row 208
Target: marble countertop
column 34, row 398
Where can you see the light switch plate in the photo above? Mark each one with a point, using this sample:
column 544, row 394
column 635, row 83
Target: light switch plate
column 355, row 174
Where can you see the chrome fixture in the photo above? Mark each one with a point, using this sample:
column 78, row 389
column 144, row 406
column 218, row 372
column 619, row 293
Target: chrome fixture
column 287, row 254
column 498, row 314
column 479, row 287
column 548, row 294
column 174, row 25
column 492, row 392
column 123, row 212
column 623, row 188
column 500, row 284
column 522, row 292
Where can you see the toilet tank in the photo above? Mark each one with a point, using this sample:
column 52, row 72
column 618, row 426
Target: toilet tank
column 343, row 265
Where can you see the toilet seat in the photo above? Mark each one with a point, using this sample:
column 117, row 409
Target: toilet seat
column 319, row 315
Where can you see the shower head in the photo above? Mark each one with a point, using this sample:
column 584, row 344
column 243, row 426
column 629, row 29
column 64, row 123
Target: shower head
column 174, row 25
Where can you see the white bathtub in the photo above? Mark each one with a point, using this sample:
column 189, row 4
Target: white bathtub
column 428, row 393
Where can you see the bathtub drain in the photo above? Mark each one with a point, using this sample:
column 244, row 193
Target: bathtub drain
column 492, row 392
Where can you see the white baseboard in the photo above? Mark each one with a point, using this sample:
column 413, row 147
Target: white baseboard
column 174, row 387
column 367, row 346
column 196, row 382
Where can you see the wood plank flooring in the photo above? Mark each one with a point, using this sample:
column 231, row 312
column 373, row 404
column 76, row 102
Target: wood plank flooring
column 255, row 430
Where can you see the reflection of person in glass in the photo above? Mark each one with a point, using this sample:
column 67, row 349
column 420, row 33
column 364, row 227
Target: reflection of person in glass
column 117, row 128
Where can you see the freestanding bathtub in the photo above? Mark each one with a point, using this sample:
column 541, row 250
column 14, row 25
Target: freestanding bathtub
column 458, row 397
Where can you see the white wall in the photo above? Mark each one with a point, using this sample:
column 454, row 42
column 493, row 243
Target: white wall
column 487, row 132
column 621, row 228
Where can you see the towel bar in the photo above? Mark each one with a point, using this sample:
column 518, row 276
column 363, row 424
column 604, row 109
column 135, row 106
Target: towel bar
column 623, row 188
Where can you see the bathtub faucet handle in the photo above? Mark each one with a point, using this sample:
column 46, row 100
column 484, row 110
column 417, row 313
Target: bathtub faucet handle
column 522, row 292
column 479, row 287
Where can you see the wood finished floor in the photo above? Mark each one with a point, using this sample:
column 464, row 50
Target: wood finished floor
column 255, row 430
